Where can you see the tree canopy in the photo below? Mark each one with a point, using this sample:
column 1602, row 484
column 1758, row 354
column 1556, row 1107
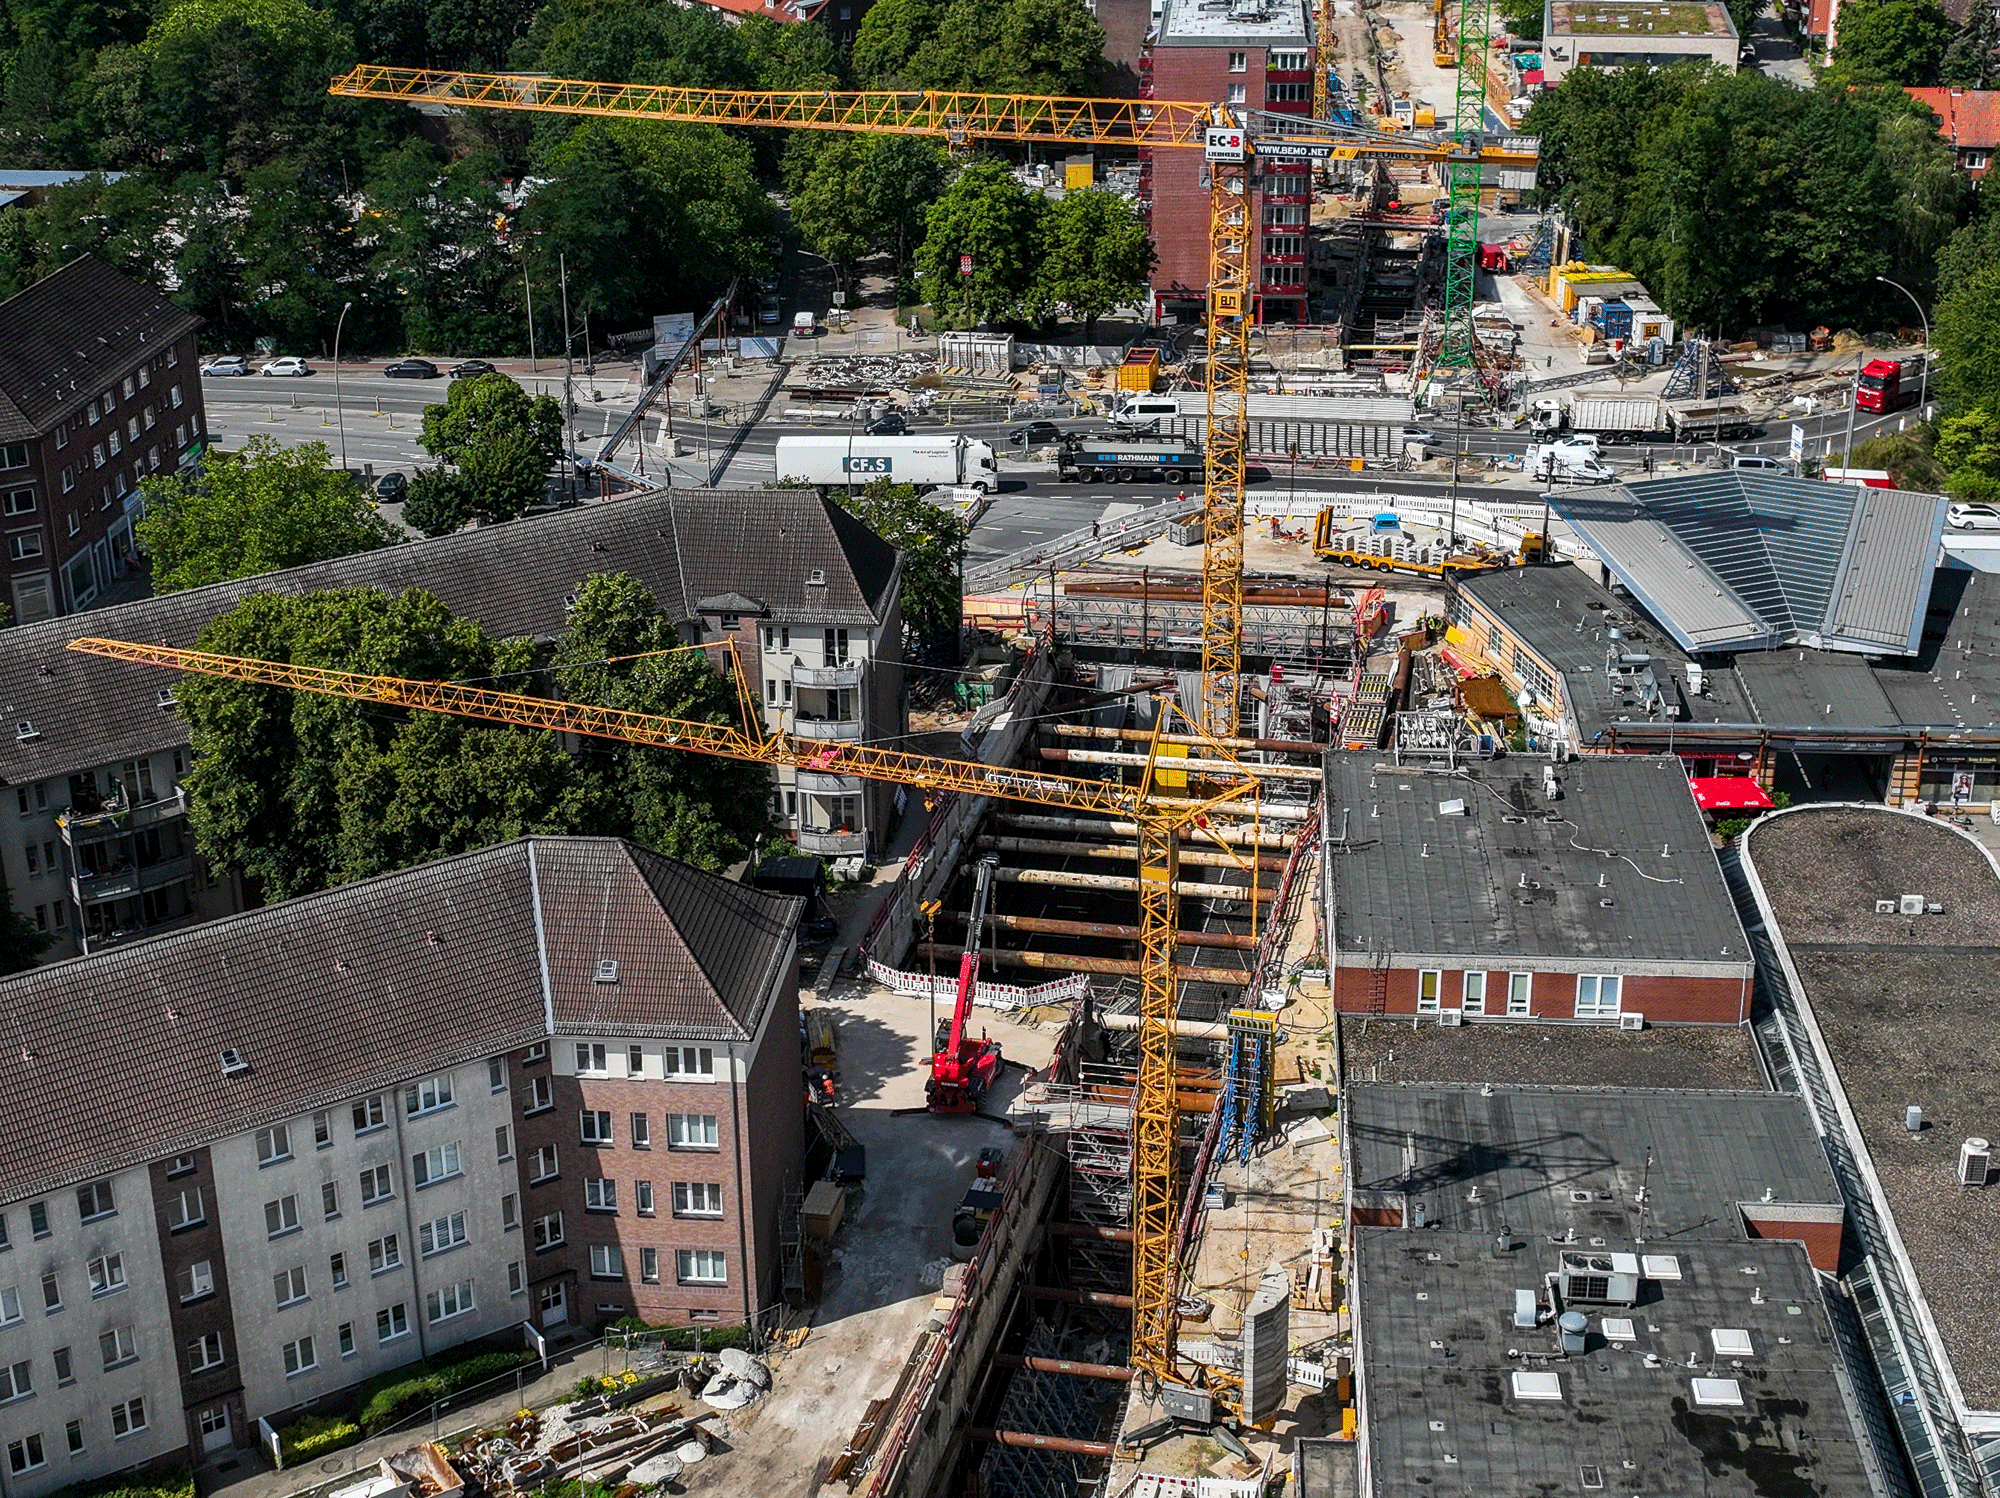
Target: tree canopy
column 932, row 541
column 1901, row 42
column 256, row 511
column 501, row 440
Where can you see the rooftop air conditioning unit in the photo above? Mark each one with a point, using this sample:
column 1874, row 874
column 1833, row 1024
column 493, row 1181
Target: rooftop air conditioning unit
column 1974, row 1160
column 1885, row 907
column 1600, row 1278
column 1631, row 1021
column 1911, row 905
column 1451, row 1018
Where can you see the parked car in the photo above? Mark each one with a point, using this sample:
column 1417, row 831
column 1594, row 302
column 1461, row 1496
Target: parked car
column 412, row 369
column 888, row 424
column 228, row 364
column 769, row 312
column 1419, row 434
column 471, row 369
column 1974, row 517
column 1752, row 463
column 804, row 325
column 391, row 487
column 819, row 928
column 291, row 364
column 1037, row 434
column 768, row 286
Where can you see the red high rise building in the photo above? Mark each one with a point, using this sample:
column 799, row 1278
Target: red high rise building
column 1248, row 54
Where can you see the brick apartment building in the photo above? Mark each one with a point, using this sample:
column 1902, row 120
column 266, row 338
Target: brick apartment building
column 1481, row 899
column 591, row 1111
column 94, row 839
column 1254, row 54
column 98, row 390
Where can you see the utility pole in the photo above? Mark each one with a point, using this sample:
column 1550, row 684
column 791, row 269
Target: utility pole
column 339, row 411
column 569, row 400
column 529, row 287
column 1853, row 400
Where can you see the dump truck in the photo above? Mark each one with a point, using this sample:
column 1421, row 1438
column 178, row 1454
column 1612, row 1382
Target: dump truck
column 1381, row 543
column 855, row 461
column 1625, row 419
column 1082, row 460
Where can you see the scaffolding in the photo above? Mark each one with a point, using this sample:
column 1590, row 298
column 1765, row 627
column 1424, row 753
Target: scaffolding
column 1247, row 1092
column 1699, row 373
column 1048, row 1404
column 1100, row 1179
column 1540, row 254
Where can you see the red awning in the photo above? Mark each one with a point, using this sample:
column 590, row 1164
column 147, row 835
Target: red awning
column 1729, row 793
column 1531, row 77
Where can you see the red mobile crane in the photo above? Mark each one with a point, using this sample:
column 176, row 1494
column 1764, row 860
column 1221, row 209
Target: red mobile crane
column 963, row 1068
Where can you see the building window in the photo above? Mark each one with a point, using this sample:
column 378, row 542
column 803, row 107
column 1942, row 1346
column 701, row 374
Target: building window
column 439, row 1163
column 496, row 1074
column 1975, row 161
column 541, row 1096
column 548, row 1231
column 697, row 1199
column 205, row 1352
column 384, row 1254
column 605, row 1263
column 700, row 1266
column 596, row 1125
column 1474, row 994
column 1238, row 94
column 68, row 478
column 94, row 1201
column 195, row 1281
column 10, row 1305
column 1288, row 93
column 64, row 1374
column 289, row 1285
column 600, row 1195
column 503, row 1143
column 107, row 1275
column 18, row 502
column 25, row 1455
column 1430, row 983
column 539, row 1051
column 281, row 1217
column 691, row 1131
column 642, row 1131
column 392, row 1322
column 1597, row 998
column 299, row 1357
column 62, row 435
column 369, row 1115
column 186, row 1209
column 376, row 1185
column 130, row 386
column 516, row 1283
column 346, row 1337
column 174, row 397
column 274, row 1144
column 17, row 1381
column 336, row 1267
column 591, row 1061
column 24, row 544
column 1284, row 244
column 441, row 1236
column 129, row 1417
column 1520, row 990
column 73, row 1433
column 329, row 1200
column 452, row 1300
column 1239, row 62
column 38, row 1219
column 14, row 455
column 545, row 1166
column 635, row 1061
column 642, row 1198
column 1286, row 213
column 508, row 1208
column 1287, row 62
column 322, row 1129
column 692, row 1063
column 120, row 1345
column 427, row 1096
column 649, row 1265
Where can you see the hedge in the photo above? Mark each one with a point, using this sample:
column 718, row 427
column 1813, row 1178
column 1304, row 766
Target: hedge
column 314, row 1435
column 686, row 1338
column 177, row 1483
column 386, row 1399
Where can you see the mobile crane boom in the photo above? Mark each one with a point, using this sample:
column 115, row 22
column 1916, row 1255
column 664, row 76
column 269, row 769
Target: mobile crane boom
column 962, row 1069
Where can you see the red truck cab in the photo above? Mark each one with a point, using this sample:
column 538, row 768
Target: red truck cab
column 1887, row 385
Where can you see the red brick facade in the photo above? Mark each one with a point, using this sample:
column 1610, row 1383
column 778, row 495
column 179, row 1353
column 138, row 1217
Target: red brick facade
column 1551, row 996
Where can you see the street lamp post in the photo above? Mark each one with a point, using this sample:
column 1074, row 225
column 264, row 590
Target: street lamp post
column 1923, row 374
column 340, row 413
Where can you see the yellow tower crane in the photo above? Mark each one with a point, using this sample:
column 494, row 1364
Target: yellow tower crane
column 1223, row 134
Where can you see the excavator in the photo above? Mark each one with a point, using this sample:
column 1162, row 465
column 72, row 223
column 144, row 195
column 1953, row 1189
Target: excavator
column 963, row 1069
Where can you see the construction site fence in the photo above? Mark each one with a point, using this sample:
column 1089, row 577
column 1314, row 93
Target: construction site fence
column 1078, row 547
column 1275, row 924
column 1069, row 356
column 1006, row 997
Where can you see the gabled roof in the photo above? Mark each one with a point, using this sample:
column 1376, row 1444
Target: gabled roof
column 65, row 337
column 351, row 990
column 1735, row 561
column 1967, row 117
column 512, row 578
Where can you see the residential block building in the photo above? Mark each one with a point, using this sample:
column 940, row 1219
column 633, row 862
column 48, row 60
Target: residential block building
column 1577, row 35
column 99, row 389
column 1969, row 118
column 1251, row 54
column 550, row 1082
column 94, row 840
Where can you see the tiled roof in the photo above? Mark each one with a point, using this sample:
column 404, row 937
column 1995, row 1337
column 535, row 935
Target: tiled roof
column 351, row 990
column 87, row 711
column 1966, row 116
column 66, row 336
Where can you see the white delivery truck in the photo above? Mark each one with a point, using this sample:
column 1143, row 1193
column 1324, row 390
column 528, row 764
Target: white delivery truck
column 1567, row 463
column 836, row 461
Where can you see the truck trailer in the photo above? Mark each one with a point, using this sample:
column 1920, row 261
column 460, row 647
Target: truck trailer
column 1626, row 419
column 1084, row 460
column 1313, row 426
column 852, row 462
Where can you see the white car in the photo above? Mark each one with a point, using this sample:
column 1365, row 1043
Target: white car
column 291, row 364
column 228, row 364
column 1974, row 517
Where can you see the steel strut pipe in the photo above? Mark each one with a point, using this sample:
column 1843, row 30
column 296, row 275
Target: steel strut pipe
column 1188, row 888
column 1087, row 1230
column 1197, row 766
column 1243, row 837
column 1047, row 926
column 1061, row 1296
column 1122, row 967
column 1140, row 736
column 1126, row 852
column 1042, row 1443
column 1063, row 1365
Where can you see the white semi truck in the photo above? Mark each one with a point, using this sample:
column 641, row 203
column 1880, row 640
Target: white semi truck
column 837, row 461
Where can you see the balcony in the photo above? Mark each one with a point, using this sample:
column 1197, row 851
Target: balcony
column 818, row 783
column 817, row 840
column 820, row 728
column 97, row 941
column 96, row 826
column 824, row 678
column 117, row 883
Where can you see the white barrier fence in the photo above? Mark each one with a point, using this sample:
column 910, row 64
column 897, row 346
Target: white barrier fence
column 1002, row 996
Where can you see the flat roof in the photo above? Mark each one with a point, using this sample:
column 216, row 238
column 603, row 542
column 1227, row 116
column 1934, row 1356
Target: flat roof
column 1615, row 875
column 1387, row 1049
column 1263, row 23
column 1457, row 1400
column 1639, row 22
column 1573, row 1162
column 1904, row 1007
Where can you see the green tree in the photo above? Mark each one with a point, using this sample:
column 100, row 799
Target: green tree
column 852, row 196
column 1906, row 457
column 987, row 216
column 798, row 54
column 1968, row 449
column 20, row 942
column 1892, row 41
column 1930, row 194
column 433, row 242
column 1095, row 255
column 263, row 509
column 932, row 541
column 1972, row 60
column 1968, row 355
column 439, row 501
column 1971, row 248
column 501, row 440
column 1008, row 46
column 889, row 36
column 694, row 807
column 299, row 259
column 1523, row 18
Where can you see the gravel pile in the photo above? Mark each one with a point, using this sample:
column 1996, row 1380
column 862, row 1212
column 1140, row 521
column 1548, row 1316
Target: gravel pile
column 1385, row 1050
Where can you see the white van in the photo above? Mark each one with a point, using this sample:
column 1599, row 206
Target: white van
column 1137, row 410
column 1751, row 463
